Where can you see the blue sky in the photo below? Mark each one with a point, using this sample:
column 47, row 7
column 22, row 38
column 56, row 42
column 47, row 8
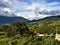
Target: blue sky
column 28, row 8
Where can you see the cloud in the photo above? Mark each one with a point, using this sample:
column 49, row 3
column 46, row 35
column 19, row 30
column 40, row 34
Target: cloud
column 47, row 9
column 30, row 9
column 6, row 8
column 18, row 5
column 45, row 5
column 53, row 4
column 5, row 0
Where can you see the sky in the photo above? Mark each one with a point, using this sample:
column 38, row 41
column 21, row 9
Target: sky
column 30, row 9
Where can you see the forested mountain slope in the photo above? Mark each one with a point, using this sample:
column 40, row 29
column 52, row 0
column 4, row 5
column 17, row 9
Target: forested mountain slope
column 25, row 33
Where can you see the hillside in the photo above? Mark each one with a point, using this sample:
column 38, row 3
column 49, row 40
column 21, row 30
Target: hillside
column 27, row 33
column 6, row 19
column 45, row 26
column 48, row 18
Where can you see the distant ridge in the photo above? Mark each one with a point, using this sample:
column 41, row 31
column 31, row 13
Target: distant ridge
column 49, row 18
column 5, row 19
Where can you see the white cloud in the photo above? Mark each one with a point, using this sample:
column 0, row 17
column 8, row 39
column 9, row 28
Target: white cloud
column 53, row 3
column 42, row 6
column 31, row 15
column 32, row 7
column 8, row 10
column 17, row 14
column 18, row 5
column 6, row 0
column 30, row 11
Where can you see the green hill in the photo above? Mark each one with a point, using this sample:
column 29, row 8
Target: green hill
column 45, row 26
column 25, row 33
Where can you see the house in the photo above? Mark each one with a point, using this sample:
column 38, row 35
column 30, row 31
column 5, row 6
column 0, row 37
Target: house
column 57, row 37
column 40, row 35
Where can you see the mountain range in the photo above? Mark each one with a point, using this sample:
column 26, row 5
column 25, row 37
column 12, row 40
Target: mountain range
column 6, row 19
column 48, row 18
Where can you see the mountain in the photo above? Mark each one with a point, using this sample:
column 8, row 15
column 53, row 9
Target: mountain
column 35, row 31
column 6, row 19
column 48, row 18
column 48, row 25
